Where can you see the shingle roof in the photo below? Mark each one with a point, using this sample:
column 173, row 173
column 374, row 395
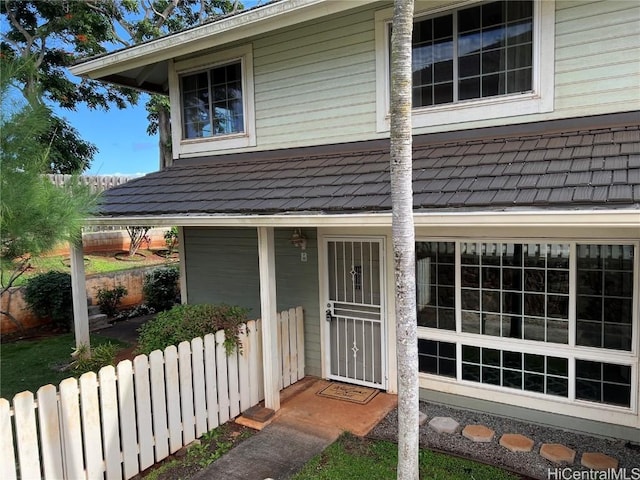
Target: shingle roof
column 568, row 168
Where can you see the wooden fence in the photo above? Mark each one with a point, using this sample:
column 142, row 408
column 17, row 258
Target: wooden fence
column 121, row 421
column 97, row 184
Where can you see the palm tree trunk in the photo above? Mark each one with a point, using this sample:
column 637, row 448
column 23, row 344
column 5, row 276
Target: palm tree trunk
column 404, row 240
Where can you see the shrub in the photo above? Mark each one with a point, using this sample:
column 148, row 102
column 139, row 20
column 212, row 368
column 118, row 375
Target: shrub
column 102, row 355
column 49, row 296
column 160, row 288
column 110, row 298
column 186, row 322
column 171, row 239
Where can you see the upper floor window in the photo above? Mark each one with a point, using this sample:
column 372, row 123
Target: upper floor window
column 212, row 102
column 484, row 61
column 478, row 52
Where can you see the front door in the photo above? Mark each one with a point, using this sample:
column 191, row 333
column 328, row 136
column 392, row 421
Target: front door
column 355, row 311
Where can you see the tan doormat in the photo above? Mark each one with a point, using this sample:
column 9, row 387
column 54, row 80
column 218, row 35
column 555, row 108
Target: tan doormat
column 349, row 393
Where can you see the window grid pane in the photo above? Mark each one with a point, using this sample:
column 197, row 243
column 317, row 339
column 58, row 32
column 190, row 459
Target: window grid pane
column 437, row 358
column 212, row 102
column 196, row 105
column 521, row 371
column 435, row 284
column 604, row 303
column 493, row 53
column 226, row 88
column 603, row 382
column 516, row 290
column 432, row 61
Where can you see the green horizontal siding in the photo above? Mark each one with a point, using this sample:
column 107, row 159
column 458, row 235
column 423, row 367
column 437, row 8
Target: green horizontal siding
column 597, row 51
column 315, row 83
column 222, row 267
column 297, row 284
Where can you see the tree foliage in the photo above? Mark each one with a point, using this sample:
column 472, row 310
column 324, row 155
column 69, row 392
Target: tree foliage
column 51, row 35
column 68, row 153
column 35, row 215
column 56, row 34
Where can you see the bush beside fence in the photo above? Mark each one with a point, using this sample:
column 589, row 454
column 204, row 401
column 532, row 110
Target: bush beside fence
column 140, row 412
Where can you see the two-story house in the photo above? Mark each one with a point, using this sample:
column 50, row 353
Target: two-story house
column 526, row 191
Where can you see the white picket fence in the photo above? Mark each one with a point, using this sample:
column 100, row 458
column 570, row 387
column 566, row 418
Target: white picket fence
column 121, row 421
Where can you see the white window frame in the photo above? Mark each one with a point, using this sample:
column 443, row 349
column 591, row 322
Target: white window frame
column 540, row 100
column 563, row 405
column 216, row 143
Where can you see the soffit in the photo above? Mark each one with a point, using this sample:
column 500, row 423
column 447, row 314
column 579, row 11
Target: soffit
column 149, row 60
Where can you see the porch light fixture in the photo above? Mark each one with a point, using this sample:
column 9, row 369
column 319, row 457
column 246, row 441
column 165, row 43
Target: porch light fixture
column 298, row 239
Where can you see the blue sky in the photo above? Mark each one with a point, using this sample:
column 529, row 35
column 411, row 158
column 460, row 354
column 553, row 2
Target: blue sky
column 121, row 137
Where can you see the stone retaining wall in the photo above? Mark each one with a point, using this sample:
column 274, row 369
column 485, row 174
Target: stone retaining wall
column 13, row 302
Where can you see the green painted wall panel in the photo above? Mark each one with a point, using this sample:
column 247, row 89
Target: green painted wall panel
column 222, row 266
column 297, row 284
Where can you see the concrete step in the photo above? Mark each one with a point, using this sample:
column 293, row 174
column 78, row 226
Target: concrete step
column 98, row 322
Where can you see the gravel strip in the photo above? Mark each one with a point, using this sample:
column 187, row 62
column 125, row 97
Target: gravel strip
column 530, row 464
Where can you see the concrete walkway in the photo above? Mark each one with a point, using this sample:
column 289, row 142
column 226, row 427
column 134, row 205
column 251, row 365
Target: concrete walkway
column 126, row 330
column 304, row 426
column 278, row 452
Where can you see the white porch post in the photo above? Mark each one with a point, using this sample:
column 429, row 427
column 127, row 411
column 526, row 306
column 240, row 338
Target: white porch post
column 268, row 314
column 184, row 299
column 79, row 290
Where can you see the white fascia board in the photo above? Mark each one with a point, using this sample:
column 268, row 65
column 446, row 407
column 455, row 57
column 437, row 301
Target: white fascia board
column 231, row 29
column 567, row 218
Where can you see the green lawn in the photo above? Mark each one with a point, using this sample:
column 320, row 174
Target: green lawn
column 354, row 458
column 98, row 262
column 30, row 364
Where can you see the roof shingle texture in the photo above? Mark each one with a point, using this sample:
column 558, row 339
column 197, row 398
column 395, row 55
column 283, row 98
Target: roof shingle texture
column 567, row 169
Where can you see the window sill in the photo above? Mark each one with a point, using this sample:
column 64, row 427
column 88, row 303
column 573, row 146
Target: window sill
column 208, row 144
column 475, row 110
column 553, row 404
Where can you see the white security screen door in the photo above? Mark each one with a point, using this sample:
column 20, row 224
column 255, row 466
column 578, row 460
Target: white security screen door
column 354, row 311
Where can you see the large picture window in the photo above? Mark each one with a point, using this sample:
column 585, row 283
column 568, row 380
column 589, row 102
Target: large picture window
column 577, row 296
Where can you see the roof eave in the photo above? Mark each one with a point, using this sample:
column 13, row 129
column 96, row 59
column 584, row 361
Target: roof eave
column 580, row 218
column 112, row 67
